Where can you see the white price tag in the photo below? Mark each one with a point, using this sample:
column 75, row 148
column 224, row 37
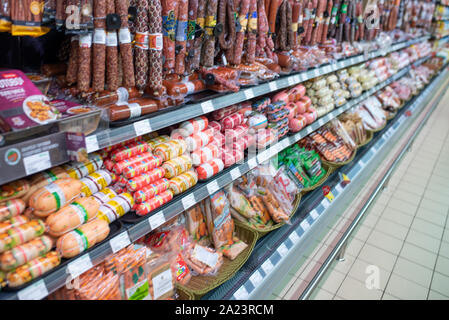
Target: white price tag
column 273, row 85
column 36, row 291
column 241, row 294
column 294, row 237
column 142, row 127
column 252, row 163
column 249, row 94
column 309, row 129
column 320, row 122
column 157, row 220
column 282, row 250
column 316, row 73
column 256, row 278
column 188, row 201
column 37, row 162
column 285, row 143
column 325, row 203
column 119, row 242
column 262, row 156
column 339, row 188
column 207, row 106
column 314, row 214
column 362, row 163
column 290, row 81
column 305, row 225
column 92, row 143
column 235, row 173
column 212, row 187
column 79, row 266
column 296, row 79
column 267, row 266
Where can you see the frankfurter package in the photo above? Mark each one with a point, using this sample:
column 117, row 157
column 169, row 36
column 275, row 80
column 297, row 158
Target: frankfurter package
column 161, row 277
column 203, row 260
column 196, row 222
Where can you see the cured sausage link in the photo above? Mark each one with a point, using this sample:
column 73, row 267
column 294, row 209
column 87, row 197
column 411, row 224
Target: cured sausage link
column 155, row 47
column 240, row 37
column 141, row 44
column 191, row 26
column 208, row 54
column 252, row 33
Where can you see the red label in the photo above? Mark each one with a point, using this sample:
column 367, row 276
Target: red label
column 9, row 75
column 326, row 190
column 408, row 113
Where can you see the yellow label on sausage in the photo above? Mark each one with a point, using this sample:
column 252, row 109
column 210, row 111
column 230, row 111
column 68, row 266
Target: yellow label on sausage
column 243, row 20
column 200, row 22
column 295, row 27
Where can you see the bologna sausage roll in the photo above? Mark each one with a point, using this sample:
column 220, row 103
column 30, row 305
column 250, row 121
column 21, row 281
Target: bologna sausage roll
column 13, row 222
column 21, row 234
column 11, row 208
column 116, row 207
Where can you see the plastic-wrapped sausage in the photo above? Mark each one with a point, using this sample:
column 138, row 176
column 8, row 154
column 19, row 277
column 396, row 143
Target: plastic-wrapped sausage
column 334, row 19
column 209, row 169
column 327, row 14
column 84, row 62
column 13, row 222
column 99, row 45
column 111, row 52
column 208, row 50
column 130, row 150
column 104, row 195
column 145, row 179
column 78, row 170
column 33, row 269
column 155, row 43
column 176, row 166
column 124, row 37
column 11, row 208
column 21, row 234
column 183, row 182
column 72, row 68
column 226, row 38
column 170, row 149
column 154, row 203
column 96, row 181
column 205, row 154
column 183, row 88
column 120, row 95
column 316, row 33
column 169, row 21
column 191, row 28
column 138, row 164
column 231, row 121
column 132, row 109
column 116, row 207
column 312, row 7
column 181, row 36
column 200, row 23
column 199, row 140
column 150, row 191
column 141, row 45
column 194, row 125
column 252, row 33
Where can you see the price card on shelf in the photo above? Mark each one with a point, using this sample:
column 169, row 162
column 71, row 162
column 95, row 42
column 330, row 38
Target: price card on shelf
column 212, row 187
column 290, row 81
column 142, row 127
column 256, row 278
column 267, row 266
column 36, row 291
column 235, row 173
column 305, row 225
column 252, row 163
column 37, row 162
column 261, row 157
column 157, row 220
column 314, row 214
column 282, row 250
column 362, row 163
column 241, row 294
column 316, row 73
column 188, row 201
column 91, row 143
column 79, row 266
column 273, row 85
column 207, row 106
column 294, row 237
column 338, row 188
column 249, row 93
column 325, row 203
column 119, row 242
column 320, row 122
column 284, row 143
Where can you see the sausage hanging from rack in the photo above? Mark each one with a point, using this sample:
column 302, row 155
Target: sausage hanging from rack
column 325, row 28
column 360, row 25
column 225, row 18
column 124, row 36
column 208, row 50
column 240, row 36
column 111, row 52
column 312, row 13
column 334, row 19
column 181, row 37
column 296, row 15
column 252, row 33
column 72, row 67
column 84, row 62
column 99, row 46
column 321, row 8
column 169, row 20
column 271, row 15
column 155, row 44
column 342, row 19
column 141, row 44
column 191, row 28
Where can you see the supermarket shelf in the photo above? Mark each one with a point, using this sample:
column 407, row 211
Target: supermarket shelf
column 58, row 278
column 275, row 253
column 113, row 136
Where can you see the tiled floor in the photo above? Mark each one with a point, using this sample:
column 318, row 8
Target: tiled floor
column 401, row 250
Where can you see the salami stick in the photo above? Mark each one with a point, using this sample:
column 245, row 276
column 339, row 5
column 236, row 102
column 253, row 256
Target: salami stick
column 343, row 15
column 252, row 33
column 289, row 16
column 225, row 15
column 325, row 28
column 271, row 15
column 169, row 18
column 99, row 45
column 208, row 54
column 191, row 27
column 312, row 13
column 126, row 54
column 72, row 68
column 198, row 44
column 296, row 11
column 84, row 63
column 155, row 47
column 360, row 24
column 141, row 44
column 240, row 37
column 60, row 12
column 181, row 36
column 352, row 22
column 334, row 19
column 111, row 52
column 267, row 4
column 318, row 21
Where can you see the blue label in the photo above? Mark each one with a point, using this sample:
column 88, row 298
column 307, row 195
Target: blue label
column 181, row 31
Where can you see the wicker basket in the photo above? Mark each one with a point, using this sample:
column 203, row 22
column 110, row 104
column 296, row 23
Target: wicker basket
column 198, row 286
column 369, row 137
column 392, row 115
column 340, row 164
column 264, row 231
column 402, row 104
column 329, row 169
column 183, row 294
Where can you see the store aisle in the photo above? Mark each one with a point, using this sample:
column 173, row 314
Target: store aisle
column 401, row 250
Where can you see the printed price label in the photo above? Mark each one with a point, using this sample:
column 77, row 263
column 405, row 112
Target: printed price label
column 320, row 122
column 267, row 266
column 284, row 143
column 142, row 127
column 92, row 143
column 290, row 81
column 338, row 188
column 305, row 225
column 241, row 294
column 294, row 237
column 309, row 129
column 362, row 163
column 249, row 93
column 79, row 266
column 119, row 242
column 36, row 291
column 188, row 201
column 316, row 73
column 252, row 163
column 256, row 278
column 282, row 250
column 212, row 187
column 262, row 157
column 235, row 173
column 273, row 85
column 325, row 203
column 296, row 79
column 157, row 220
column 207, row 106
column 37, row 162
column 314, row 214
